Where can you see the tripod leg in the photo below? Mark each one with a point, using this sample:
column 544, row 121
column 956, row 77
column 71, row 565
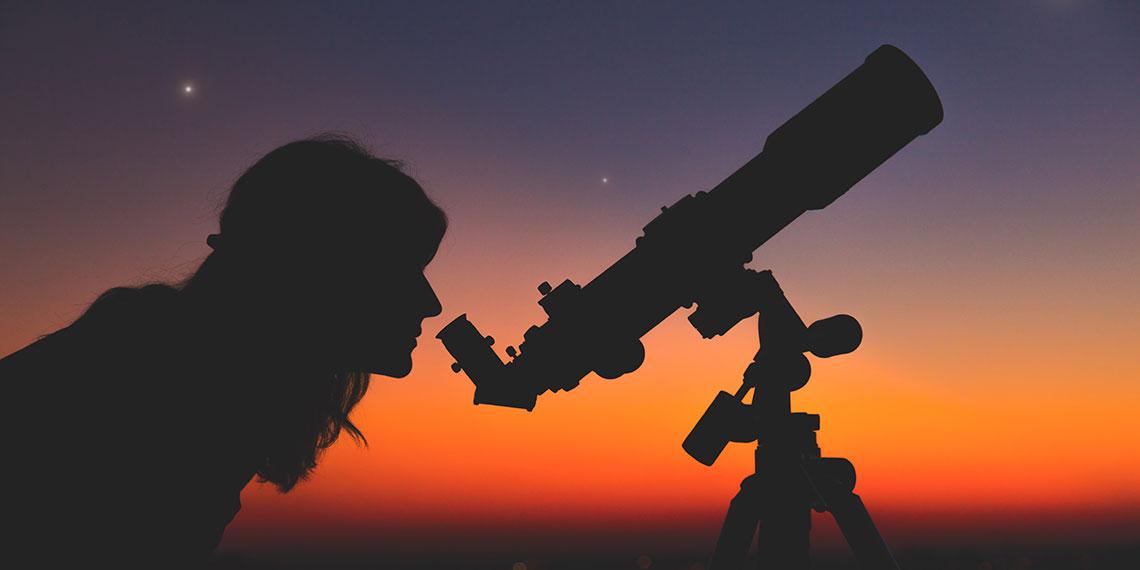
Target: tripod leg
column 871, row 552
column 784, row 540
column 739, row 527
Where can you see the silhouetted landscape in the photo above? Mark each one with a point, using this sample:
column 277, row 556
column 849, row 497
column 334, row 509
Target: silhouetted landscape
column 1010, row 558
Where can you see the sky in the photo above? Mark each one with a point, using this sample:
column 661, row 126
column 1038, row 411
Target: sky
column 992, row 262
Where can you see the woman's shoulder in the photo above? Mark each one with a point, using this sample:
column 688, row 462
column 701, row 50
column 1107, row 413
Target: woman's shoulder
column 120, row 316
column 126, row 321
column 146, row 301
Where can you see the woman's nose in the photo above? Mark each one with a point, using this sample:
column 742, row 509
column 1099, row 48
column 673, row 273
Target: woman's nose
column 433, row 307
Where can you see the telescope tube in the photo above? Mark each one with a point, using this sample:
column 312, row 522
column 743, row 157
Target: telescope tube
column 688, row 250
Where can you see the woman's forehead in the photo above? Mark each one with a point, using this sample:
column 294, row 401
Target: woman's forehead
column 406, row 250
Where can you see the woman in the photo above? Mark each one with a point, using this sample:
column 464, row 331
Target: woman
column 131, row 432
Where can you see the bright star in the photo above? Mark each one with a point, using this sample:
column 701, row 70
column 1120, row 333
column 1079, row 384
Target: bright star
column 188, row 89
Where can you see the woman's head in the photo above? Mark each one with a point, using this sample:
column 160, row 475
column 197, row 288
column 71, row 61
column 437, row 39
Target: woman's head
column 319, row 263
column 334, row 242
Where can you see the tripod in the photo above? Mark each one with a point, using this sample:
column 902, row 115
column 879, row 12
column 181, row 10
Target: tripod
column 791, row 477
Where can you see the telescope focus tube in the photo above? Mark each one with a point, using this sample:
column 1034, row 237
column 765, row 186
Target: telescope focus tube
column 692, row 250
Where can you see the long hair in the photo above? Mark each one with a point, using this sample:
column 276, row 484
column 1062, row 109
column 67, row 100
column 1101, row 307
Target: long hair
column 294, row 226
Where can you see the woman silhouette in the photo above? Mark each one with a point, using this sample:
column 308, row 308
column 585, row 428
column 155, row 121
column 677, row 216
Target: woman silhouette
column 131, row 432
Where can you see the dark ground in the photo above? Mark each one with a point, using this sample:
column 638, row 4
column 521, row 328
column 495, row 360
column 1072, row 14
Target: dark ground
column 990, row 558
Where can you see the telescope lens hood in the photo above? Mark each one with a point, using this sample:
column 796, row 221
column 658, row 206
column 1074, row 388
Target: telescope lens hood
column 854, row 127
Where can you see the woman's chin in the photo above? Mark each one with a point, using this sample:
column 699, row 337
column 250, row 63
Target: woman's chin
column 395, row 367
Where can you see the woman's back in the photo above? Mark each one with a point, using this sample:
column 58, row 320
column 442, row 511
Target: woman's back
column 130, row 439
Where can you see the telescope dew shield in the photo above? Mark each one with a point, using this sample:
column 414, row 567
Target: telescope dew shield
column 854, row 127
column 829, row 146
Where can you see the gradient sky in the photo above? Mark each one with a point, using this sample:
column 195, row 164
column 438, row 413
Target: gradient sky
column 993, row 263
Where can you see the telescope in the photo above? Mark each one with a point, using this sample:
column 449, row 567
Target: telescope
column 695, row 250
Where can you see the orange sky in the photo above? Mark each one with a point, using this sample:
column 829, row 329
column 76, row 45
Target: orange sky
column 993, row 396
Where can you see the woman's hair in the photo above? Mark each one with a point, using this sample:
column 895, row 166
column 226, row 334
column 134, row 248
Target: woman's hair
column 306, row 218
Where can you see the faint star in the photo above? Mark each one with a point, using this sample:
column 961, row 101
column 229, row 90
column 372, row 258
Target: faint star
column 605, row 180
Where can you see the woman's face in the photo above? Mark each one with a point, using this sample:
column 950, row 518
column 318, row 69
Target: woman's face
column 377, row 314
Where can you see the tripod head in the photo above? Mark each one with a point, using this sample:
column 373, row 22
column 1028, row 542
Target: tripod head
column 778, row 369
column 792, row 478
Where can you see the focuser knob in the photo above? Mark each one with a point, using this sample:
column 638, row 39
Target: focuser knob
column 544, row 288
column 455, row 367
